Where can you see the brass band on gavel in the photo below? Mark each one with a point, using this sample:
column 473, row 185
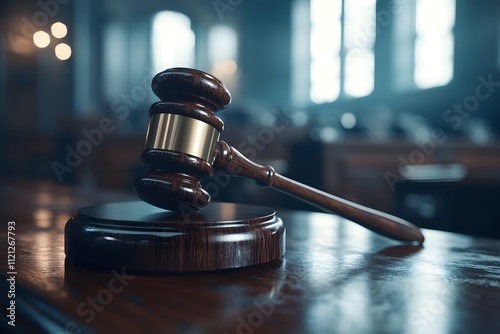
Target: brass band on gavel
column 172, row 132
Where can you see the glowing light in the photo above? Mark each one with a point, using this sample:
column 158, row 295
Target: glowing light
column 41, row 39
column 359, row 39
column 434, row 43
column 172, row 41
column 360, row 72
column 59, row 30
column 327, row 22
column 63, row 51
column 328, row 134
column 223, row 51
column 325, row 50
column 43, row 218
column 222, row 43
column 348, row 120
column 229, row 66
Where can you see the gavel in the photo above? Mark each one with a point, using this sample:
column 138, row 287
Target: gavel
column 182, row 146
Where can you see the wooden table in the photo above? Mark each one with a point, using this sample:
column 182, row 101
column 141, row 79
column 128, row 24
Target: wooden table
column 336, row 277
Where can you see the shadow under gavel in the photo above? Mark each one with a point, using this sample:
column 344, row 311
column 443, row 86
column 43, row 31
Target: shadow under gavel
column 182, row 145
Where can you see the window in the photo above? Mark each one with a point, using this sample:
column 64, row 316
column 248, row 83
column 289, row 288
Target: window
column 172, row 41
column 341, row 40
column 359, row 40
column 222, row 51
column 115, row 60
column 423, row 44
column 341, row 48
column 326, row 35
column 434, row 42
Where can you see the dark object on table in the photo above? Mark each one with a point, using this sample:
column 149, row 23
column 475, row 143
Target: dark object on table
column 141, row 237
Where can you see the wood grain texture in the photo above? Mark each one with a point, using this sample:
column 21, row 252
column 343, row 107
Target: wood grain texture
column 336, row 277
column 229, row 160
column 144, row 238
column 185, row 84
column 174, row 180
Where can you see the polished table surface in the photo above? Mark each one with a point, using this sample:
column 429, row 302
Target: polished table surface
column 335, row 277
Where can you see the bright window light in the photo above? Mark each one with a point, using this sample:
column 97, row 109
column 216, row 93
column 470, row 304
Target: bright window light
column 359, row 68
column 326, row 34
column 172, row 41
column 332, row 25
column 223, row 50
column 359, row 39
column 434, row 42
column 223, row 43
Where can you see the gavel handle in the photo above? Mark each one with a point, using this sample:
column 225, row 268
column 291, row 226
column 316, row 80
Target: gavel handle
column 228, row 159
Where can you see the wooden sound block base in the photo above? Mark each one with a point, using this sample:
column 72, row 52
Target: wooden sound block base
column 141, row 237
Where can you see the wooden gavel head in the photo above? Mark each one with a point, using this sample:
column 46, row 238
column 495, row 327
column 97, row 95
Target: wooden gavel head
column 182, row 137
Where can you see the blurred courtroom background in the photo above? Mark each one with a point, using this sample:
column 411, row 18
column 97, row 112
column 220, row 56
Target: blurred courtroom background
column 392, row 104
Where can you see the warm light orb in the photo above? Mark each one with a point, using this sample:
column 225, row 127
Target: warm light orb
column 41, row 39
column 59, row 30
column 229, row 66
column 63, row 51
